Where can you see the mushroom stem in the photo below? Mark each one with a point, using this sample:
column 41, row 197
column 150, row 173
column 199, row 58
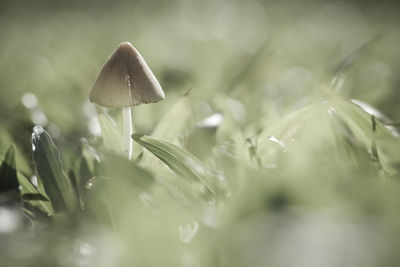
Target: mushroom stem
column 127, row 131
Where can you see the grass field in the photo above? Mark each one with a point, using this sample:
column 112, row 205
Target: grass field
column 277, row 143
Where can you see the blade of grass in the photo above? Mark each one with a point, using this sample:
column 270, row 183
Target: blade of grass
column 27, row 189
column 171, row 125
column 119, row 167
column 174, row 121
column 179, row 160
column 50, row 170
column 8, row 172
column 34, row 197
column 111, row 136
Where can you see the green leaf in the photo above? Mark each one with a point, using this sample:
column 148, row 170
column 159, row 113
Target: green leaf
column 388, row 149
column 84, row 175
column 97, row 201
column 170, row 127
column 8, row 172
column 112, row 139
column 179, row 160
column 358, row 120
column 269, row 144
column 173, row 123
column 28, row 188
column 118, row 167
column 287, row 126
column 50, row 170
column 34, row 197
column 20, row 160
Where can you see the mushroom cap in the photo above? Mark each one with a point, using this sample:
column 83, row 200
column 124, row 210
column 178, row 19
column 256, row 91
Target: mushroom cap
column 125, row 80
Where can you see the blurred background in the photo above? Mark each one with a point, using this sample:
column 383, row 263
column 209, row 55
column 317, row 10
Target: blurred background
column 266, row 53
column 253, row 61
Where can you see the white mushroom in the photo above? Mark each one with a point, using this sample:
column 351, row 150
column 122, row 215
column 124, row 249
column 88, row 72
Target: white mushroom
column 126, row 80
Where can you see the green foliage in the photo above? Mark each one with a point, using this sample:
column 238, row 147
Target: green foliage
column 8, row 172
column 111, row 136
column 50, row 170
column 174, row 122
column 180, row 161
column 284, row 150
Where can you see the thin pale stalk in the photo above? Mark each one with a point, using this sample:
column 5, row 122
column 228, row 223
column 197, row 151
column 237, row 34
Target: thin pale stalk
column 127, row 131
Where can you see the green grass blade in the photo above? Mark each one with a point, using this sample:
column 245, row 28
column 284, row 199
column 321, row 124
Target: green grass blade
column 84, row 175
column 179, row 160
column 8, row 172
column 112, row 139
column 173, row 123
column 28, row 188
column 50, row 170
column 171, row 126
column 98, row 203
column 358, row 120
column 20, row 159
column 120, row 168
column 34, row 197
column 11, row 178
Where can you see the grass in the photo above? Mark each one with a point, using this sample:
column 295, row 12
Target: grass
column 291, row 168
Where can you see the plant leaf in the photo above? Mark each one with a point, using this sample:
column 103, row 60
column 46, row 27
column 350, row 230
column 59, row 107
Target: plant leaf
column 34, row 197
column 50, row 170
column 111, row 136
column 170, row 126
column 8, row 172
column 173, row 122
column 28, row 188
column 20, row 160
column 179, row 160
column 98, row 203
column 119, row 167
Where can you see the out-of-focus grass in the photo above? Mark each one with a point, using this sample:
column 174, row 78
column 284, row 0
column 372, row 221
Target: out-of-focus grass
column 266, row 161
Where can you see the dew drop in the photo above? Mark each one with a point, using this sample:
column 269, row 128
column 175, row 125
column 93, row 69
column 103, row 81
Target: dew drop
column 29, row 100
column 186, row 233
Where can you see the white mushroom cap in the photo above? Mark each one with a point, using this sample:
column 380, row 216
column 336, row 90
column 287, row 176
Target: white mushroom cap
column 125, row 80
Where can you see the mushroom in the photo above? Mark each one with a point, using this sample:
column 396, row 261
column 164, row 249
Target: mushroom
column 126, row 80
